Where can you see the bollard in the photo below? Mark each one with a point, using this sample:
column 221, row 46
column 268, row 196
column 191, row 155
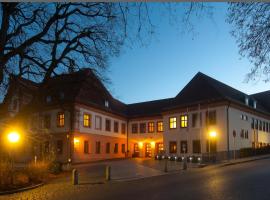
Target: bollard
column 108, row 173
column 75, row 177
column 185, row 164
column 166, row 165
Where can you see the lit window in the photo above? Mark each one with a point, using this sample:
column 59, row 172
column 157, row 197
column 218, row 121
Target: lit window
column 151, row 127
column 184, row 121
column 87, row 120
column 61, row 120
column 173, row 147
column 159, row 126
column 172, row 121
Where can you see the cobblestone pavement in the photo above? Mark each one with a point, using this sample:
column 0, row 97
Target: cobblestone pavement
column 246, row 181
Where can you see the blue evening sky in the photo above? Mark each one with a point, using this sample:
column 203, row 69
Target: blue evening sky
column 164, row 67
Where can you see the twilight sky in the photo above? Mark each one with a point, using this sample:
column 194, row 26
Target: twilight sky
column 164, row 67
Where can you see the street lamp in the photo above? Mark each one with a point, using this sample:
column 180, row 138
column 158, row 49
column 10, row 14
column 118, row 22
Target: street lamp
column 13, row 137
column 212, row 135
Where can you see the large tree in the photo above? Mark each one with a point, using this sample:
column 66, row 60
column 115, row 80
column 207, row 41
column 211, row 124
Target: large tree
column 39, row 40
column 251, row 28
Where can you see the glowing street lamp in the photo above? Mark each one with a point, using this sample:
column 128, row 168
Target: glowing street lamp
column 13, row 137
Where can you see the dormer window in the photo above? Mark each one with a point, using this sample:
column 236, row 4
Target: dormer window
column 106, row 103
column 48, row 99
column 254, row 104
column 62, row 95
column 246, row 101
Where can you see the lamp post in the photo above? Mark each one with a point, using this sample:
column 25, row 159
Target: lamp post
column 212, row 136
column 13, row 138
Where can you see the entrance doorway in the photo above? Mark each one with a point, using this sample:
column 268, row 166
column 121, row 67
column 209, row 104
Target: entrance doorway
column 136, row 150
column 148, row 150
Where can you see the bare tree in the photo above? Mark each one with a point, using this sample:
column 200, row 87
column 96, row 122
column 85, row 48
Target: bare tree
column 251, row 28
column 40, row 40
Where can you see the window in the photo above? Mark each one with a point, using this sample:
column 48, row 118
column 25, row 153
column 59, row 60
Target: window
column 142, row 127
column 134, row 128
column 211, row 117
column 172, row 122
column 242, row 134
column 115, row 148
column 98, row 147
column 47, row 121
column 260, row 125
column 183, row 121
column 59, row 146
column 184, row 146
column 106, row 103
column 61, row 119
column 48, row 99
column 62, row 95
column 108, row 125
column 263, row 126
column 196, row 146
column 151, row 127
column 86, row 147
column 246, row 134
column 123, row 128
column 213, row 146
column 173, row 147
column 160, row 126
column 123, row 148
column 98, row 122
column 87, row 120
column 194, row 119
column 108, row 147
column 253, row 123
column 116, row 126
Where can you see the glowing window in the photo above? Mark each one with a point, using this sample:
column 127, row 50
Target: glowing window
column 151, row 127
column 87, row 120
column 159, row 126
column 172, row 122
column 184, row 121
column 61, row 119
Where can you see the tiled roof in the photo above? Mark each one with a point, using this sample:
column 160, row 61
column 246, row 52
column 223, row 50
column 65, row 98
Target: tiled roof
column 85, row 88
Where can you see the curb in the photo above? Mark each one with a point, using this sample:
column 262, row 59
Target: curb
column 22, row 189
column 244, row 161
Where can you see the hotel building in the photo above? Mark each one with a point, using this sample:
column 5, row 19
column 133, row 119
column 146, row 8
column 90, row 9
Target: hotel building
column 76, row 117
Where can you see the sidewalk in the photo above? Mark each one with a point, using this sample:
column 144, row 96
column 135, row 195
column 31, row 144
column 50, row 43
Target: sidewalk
column 243, row 160
column 121, row 170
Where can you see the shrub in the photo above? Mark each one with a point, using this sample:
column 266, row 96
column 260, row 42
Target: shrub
column 37, row 171
column 6, row 173
column 55, row 167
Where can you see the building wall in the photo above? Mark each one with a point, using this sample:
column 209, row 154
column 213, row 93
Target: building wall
column 199, row 132
column 142, row 139
column 237, row 124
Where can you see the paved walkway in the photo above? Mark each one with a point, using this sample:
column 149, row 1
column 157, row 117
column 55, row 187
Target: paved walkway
column 121, row 170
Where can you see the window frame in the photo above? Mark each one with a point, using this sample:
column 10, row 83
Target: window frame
column 61, row 120
column 86, row 144
column 184, row 121
column 100, row 122
column 158, row 126
column 174, row 122
column 151, row 127
column 89, row 120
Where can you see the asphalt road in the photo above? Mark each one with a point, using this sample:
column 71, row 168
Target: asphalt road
column 243, row 181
